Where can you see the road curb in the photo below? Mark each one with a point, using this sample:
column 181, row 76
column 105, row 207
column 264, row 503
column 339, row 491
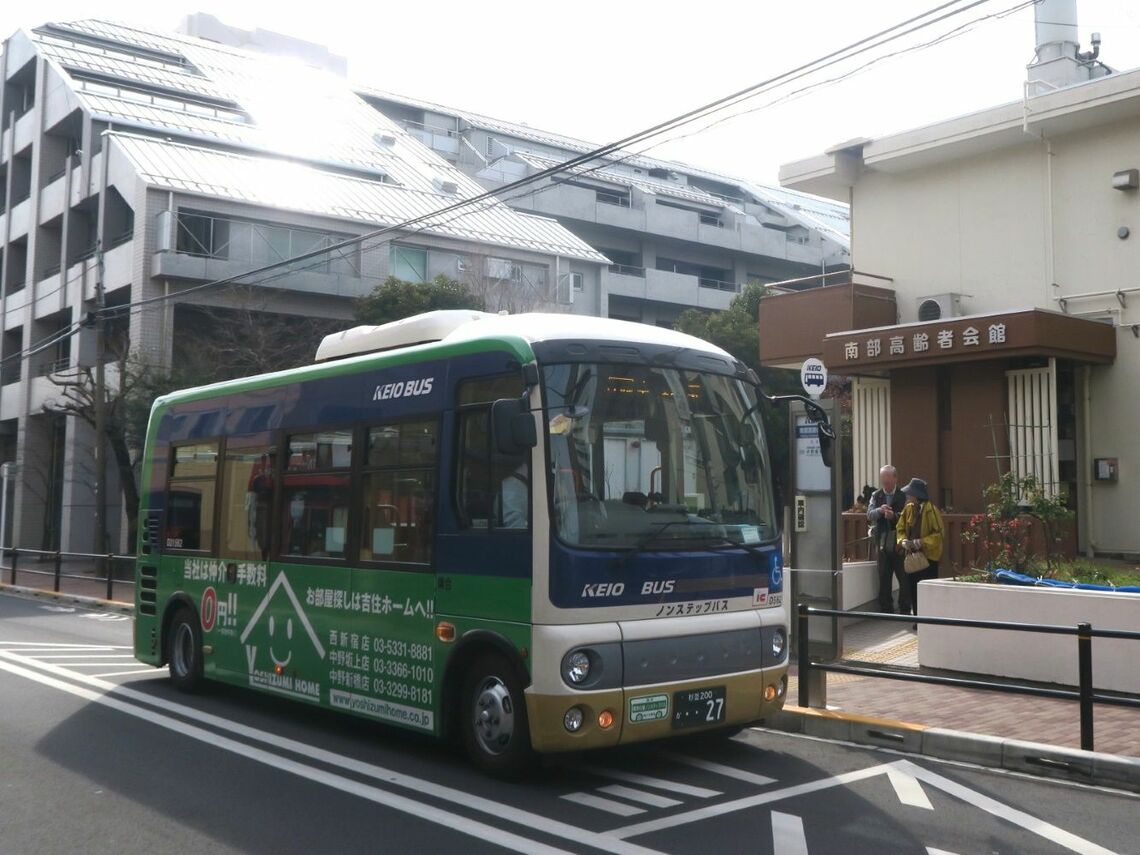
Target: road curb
column 1035, row 758
column 77, row 599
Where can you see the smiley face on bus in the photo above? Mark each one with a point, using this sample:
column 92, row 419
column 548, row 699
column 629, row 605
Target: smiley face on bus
column 280, row 663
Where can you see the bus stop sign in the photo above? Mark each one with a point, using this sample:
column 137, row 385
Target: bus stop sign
column 813, row 377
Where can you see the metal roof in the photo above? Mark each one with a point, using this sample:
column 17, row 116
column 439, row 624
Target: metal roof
column 296, row 186
column 306, row 141
column 830, row 217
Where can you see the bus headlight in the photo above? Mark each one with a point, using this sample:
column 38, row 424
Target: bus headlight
column 576, row 667
column 778, row 644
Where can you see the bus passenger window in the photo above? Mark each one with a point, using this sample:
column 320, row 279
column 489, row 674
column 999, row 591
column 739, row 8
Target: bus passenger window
column 249, row 473
column 398, row 486
column 190, row 497
column 315, row 495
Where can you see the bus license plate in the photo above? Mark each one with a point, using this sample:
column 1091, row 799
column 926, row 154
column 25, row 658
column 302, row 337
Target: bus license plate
column 696, row 707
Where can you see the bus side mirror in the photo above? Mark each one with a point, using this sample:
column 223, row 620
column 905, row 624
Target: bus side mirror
column 826, row 449
column 513, row 426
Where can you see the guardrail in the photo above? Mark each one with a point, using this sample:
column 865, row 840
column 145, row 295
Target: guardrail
column 1085, row 694
column 105, row 562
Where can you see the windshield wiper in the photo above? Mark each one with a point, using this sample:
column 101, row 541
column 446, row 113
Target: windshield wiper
column 648, row 538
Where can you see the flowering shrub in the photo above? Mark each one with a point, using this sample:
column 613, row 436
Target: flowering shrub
column 1002, row 533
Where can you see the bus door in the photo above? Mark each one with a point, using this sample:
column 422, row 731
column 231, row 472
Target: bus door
column 381, row 662
column 484, row 558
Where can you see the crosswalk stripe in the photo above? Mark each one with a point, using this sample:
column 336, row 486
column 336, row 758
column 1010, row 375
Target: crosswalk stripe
column 788, row 836
column 590, row 800
column 721, row 769
column 655, row 783
column 23, row 646
column 76, row 654
column 90, row 664
column 651, row 799
column 124, row 673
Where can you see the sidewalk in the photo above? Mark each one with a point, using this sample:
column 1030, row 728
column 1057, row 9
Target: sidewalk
column 1055, row 722
column 80, row 577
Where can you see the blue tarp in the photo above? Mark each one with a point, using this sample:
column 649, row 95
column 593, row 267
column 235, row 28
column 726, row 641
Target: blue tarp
column 1009, row 577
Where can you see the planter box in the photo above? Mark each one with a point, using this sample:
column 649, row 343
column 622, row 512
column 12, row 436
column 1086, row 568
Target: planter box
column 1025, row 655
column 860, row 585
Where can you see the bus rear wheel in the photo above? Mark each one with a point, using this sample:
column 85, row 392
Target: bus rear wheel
column 184, row 650
column 492, row 718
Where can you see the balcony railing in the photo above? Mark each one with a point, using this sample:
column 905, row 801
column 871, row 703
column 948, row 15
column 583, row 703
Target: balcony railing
column 627, row 270
column 717, row 284
column 50, row 270
column 55, row 366
column 252, row 243
column 618, row 199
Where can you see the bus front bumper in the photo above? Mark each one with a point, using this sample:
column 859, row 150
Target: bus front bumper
column 641, row 713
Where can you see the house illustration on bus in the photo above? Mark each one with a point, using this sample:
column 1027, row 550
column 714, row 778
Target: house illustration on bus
column 275, row 640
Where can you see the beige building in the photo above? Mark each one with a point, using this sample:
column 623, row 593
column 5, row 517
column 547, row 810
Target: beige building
column 1006, row 332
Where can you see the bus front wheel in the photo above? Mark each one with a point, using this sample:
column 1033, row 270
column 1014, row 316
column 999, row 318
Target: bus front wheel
column 184, row 650
column 496, row 733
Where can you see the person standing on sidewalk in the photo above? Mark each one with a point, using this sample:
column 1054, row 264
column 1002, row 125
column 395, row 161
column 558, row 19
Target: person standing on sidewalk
column 882, row 512
column 919, row 534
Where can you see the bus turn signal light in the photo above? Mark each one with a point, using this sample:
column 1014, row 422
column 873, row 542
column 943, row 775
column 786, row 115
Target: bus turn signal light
column 605, row 719
column 770, row 692
column 445, row 631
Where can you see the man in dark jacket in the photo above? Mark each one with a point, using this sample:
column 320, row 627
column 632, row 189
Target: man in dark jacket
column 883, row 512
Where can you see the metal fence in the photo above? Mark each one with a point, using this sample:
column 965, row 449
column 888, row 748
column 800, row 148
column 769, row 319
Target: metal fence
column 107, row 569
column 1085, row 694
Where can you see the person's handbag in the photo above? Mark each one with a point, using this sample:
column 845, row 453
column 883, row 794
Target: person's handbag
column 915, row 562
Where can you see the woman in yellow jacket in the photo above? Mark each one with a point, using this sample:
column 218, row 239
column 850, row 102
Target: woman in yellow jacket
column 919, row 529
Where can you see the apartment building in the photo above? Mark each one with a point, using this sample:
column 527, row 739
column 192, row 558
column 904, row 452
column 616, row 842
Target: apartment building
column 677, row 237
column 154, row 163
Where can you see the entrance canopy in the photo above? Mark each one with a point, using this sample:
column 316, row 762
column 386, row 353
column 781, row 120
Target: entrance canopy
column 1002, row 335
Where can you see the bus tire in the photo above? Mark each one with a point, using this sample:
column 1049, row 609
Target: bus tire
column 184, row 650
column 492, row 717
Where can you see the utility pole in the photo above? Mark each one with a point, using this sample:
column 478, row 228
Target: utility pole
column 100, row 403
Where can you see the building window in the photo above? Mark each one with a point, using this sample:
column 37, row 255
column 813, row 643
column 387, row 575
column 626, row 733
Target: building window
column 190, row 497
column 576, row 281
column 493, row 490
column 315, row 498
column 408, row 263
column 398, row 520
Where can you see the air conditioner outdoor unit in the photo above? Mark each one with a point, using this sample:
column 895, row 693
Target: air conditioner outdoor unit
column 938, row 306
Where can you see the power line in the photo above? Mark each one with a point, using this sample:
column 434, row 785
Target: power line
column 860, row 46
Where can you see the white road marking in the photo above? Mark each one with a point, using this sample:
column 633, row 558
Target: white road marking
column 648, row 781
column 930, row 850
column 710, row 811
column 721, row 769
column 480, row 830
column 608, row 805
column 84, row 655
column 908, row 789
column 1030, row 823
column 651, row 799
column 788, row 836
column 420, row 786
column 26, row 645
column 124, row 673
column 1010, row 814
column 90, row 664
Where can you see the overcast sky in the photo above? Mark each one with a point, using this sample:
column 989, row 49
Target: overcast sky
column 600, row 70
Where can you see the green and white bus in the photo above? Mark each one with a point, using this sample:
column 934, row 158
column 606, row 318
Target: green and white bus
column 538, row 533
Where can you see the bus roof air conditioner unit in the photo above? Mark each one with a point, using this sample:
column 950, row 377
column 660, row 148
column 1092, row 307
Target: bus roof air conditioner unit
column 938, row 306
column 418, row 329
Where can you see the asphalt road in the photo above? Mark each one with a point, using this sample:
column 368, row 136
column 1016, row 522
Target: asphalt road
column 99, row 754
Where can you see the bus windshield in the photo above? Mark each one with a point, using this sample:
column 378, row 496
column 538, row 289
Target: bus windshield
column 655, row 457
